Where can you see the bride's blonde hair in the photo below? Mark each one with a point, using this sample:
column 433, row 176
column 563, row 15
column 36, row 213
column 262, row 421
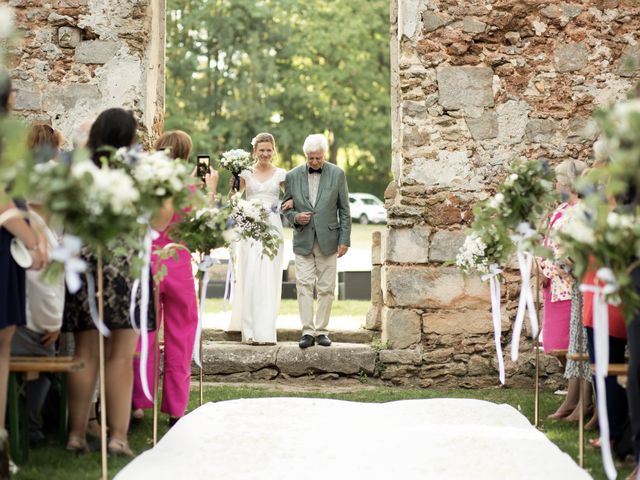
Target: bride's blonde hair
column 264, row 138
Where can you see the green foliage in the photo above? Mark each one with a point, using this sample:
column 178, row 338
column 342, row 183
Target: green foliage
column 202, row 230
column 289, row 67
column 505, row 221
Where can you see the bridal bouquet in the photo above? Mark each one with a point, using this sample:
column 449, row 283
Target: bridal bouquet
column 236, row 161
column 250, row 220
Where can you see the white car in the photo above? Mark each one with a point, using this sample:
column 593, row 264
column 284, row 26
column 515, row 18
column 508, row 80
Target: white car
column 365, row 208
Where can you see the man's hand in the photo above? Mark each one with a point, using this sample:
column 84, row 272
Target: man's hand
column 303, row 218
column 49, row 338
column 342, row 249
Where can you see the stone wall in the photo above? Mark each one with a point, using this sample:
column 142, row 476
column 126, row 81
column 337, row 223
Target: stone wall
column 79, row 57
column 477, row 84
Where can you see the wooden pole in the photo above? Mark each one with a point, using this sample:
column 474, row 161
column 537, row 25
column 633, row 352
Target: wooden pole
column 581, row 400
column 103, row 402
column 156, row 361
column 201, row 379
column 536, row 406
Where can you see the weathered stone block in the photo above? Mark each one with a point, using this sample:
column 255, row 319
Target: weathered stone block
column 414, row 136
column 460, row 322
column 462, row 87
column 373, row 320
column 69, row 96
column 471, row 25
column 483, row 127
column 376, row 240
column 376, row 285
column 414, row 108
column 69, row 37
column 570, row 57
column 433, row 21
column 581, row 130
column 408, row 245
column 445, row 245
column 343, row 358
column 27, row 97
column 629, row 62
column 401, row 328
column 450, row 169
column 478, row 365
column 512, row 121
column 540, row 130
column 96, row 51
column 432, row 287
column 225, row 358
column 404, row 357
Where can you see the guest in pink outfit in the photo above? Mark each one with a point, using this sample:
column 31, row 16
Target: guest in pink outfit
column 559, row 283
column 178, row 307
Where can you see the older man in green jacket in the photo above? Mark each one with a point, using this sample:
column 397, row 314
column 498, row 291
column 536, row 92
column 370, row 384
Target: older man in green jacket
column 322, row 230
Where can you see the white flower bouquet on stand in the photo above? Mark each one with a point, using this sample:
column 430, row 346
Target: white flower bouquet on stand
column 236, row 161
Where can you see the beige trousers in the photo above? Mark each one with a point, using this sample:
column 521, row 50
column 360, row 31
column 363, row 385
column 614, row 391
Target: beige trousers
column 315, row 270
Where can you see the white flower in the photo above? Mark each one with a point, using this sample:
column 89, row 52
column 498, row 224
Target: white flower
column 576, row 226
column 7, row 21
column 79, row 169
column 616, row 220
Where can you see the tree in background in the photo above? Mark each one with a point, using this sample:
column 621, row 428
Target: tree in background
column 290, row 67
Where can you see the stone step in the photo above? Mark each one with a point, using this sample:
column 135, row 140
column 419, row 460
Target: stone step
column 232, row 361
column 360, row 335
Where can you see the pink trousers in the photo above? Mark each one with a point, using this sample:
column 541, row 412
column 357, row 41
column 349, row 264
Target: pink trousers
column 178, row 308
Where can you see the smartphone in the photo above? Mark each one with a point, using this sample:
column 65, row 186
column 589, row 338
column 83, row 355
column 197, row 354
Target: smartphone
column 204, row 161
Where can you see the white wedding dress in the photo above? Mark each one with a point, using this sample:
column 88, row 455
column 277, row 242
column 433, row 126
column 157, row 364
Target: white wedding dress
column 258, row 279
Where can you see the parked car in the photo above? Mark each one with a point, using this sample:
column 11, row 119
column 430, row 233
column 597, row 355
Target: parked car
column 366, row 208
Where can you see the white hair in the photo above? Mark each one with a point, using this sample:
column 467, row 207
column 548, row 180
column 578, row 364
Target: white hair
column 315, row 143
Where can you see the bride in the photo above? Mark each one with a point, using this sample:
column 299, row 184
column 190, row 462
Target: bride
column 258, row 285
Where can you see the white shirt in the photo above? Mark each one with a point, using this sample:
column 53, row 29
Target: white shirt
column 45, row 300
column 314, row 183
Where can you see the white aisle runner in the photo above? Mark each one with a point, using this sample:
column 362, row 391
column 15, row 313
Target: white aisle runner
column 297, row 438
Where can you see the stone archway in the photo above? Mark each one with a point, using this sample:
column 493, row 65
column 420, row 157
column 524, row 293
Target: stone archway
column 475, row 84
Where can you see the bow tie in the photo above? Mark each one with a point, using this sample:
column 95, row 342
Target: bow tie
column 315, row 170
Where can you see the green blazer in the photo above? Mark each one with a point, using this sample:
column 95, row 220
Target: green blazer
column 331, row 222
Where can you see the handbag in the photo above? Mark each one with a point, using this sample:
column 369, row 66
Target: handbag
column 20, row 253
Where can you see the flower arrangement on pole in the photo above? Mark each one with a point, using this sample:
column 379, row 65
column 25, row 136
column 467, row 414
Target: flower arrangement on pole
column 507, row 224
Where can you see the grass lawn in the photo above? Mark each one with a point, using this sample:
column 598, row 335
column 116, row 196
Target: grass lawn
column 51, row 462
column 340, row 308
column 360, row 234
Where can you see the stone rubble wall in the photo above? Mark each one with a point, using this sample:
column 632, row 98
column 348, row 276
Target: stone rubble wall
column 476, row 85
column 77, row 58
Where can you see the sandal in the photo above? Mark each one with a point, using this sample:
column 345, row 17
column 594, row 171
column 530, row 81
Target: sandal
column 77, row 445
column 137, row 415
column 119, row 448
column 93, row 428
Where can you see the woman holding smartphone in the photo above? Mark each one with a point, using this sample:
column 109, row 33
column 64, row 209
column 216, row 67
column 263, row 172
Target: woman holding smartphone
column 178, row 304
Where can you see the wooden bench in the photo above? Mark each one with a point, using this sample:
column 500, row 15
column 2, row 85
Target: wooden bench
column 21, row 370
column 578, row 357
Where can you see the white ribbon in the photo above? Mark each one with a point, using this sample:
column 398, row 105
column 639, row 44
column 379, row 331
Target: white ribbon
column 230, row 280
column 93, row 308
column 144, row 309
column 601, row 347
column 526, row 303
column 494, row 287
column 68, row 253
column 204, row 266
